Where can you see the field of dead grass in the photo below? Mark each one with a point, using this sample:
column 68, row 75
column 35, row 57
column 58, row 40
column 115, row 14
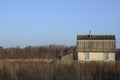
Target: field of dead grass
column 45, row 69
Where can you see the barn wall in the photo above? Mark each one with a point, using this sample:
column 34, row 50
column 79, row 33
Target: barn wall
column 81, row 56
column 96, row 56
column 96, row 45
column 111, row 56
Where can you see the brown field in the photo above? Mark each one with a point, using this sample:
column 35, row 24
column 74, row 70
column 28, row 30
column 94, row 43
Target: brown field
column 45, row 69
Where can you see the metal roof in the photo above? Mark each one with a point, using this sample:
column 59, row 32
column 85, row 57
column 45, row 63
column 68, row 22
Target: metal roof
column 95, row 37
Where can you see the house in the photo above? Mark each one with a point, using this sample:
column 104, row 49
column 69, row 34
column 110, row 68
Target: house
column 96, row 47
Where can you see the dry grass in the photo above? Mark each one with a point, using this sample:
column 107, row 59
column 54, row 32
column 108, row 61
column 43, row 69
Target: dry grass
column 53, row 70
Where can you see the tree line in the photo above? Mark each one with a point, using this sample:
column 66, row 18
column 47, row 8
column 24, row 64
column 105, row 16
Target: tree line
column 50, row 51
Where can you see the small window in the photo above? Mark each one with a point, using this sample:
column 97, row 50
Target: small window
column 105, row 56
column 86, row 55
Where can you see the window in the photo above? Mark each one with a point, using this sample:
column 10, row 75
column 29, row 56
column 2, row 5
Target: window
column 105, row 56
column 86, row 55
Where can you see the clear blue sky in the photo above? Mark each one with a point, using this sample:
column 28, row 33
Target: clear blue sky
column 43, row 22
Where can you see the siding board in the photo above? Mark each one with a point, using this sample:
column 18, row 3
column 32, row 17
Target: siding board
column 96, row 45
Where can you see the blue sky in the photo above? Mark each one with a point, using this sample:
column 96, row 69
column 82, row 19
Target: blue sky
column 43, row 22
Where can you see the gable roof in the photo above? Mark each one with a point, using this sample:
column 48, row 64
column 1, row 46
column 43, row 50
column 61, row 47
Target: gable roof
column 95, row 37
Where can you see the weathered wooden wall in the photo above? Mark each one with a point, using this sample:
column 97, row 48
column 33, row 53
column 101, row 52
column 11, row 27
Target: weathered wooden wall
column 96, row 45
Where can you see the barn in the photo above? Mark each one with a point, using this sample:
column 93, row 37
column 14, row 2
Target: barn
column 96, row 47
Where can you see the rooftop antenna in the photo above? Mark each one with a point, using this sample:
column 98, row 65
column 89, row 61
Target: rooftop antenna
column 90, row 35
